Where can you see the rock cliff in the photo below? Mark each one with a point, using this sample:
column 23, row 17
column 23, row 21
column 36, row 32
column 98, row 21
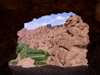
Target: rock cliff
column 67, row 43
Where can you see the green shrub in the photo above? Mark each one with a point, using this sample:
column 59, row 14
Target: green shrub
column 39, row 58
column 27, row 45
column 34, row 51
column 30, row 55
column 23, row 54
column 14, row 62
column 19, row 47
column 42, row 51
column 37, row 63
column 47, row 54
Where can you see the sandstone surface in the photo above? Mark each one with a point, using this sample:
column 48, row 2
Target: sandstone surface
column 26, row 62
column 66, row 43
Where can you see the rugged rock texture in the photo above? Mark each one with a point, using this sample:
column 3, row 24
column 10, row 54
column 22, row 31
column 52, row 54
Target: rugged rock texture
column 14, row 13
column 35, row 37
column 67, row 43
column 26, row 62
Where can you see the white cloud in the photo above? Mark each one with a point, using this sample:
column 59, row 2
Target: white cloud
column 31, row 25
column 59, row 18
column 44, row 24
column 62, row 22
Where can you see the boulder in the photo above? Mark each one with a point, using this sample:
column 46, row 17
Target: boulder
column 26, row 62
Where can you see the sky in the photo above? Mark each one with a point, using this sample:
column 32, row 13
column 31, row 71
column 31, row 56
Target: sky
column 53, row 19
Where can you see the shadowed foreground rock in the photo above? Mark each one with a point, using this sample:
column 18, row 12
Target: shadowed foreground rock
column 50, row 70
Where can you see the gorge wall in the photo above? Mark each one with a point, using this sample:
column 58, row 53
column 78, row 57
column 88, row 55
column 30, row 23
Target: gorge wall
column 66, row 43
column 14, row 13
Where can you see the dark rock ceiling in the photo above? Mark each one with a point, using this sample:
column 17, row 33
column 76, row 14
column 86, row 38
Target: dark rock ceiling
column 14, row 13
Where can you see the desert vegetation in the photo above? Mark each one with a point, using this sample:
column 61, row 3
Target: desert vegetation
column 24, row 51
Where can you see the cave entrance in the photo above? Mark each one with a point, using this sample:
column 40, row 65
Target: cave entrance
column 15, row 13
column 63, row 40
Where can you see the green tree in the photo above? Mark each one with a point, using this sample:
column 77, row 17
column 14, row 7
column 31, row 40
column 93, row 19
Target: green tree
column 23, row 54
column 14, row 62
column 20, row 47
column 42, row 51
column 47, row 54
column 27, row 45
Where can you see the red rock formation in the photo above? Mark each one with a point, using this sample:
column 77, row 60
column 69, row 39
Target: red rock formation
column 36, row 38
column 26, row 62
column 67, row 44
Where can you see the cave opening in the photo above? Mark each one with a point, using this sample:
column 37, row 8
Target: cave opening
column 14, row 14
column 59, row 31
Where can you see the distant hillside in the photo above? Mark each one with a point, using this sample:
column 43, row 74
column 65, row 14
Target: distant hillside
column 49, row 26
column 22, row 31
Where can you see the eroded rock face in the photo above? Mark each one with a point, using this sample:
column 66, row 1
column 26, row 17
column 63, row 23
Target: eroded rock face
column 35, row 38
column 14, row 13
column 67, row 43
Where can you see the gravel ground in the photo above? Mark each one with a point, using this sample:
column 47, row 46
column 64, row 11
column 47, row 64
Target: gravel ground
column 50, row 70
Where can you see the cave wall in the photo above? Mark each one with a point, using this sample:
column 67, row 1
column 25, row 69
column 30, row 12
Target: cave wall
column 14, row 13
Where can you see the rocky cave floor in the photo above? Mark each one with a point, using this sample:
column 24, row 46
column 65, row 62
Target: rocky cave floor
column 50, row 70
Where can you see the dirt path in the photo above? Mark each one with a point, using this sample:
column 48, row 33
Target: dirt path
column 50, row 70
